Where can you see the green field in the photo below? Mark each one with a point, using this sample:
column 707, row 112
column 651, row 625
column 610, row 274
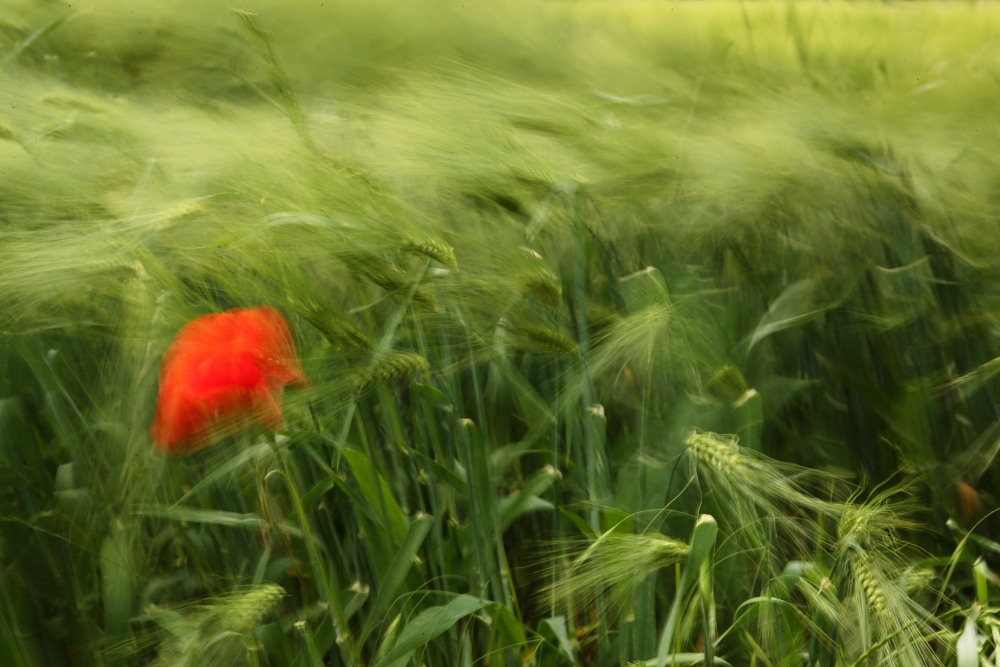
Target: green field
column 638, row 333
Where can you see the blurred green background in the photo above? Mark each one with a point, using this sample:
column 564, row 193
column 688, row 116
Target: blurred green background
column 536, row 256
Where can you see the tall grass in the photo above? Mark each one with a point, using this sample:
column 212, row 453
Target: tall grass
column 638, row 333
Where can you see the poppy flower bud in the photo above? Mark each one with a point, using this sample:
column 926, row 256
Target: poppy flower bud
column 220, row 371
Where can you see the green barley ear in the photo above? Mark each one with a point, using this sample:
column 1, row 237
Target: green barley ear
column 287, row 98
column 217, row 633
column 658, row 340
column 875, row 524
column 376, row 269
column 392, row 366
column 166, row 218
column 720, row 454
column 383, row 272
column 786, row 626
column 545, row 340
column 771, row 485
column 543, row 284
column 616, row 563
column 885, row 622
column 915, row 581
column 602, row 318
column 728, row 385
column 432, row 248
column 868, row 578
column 758, row 498
column 340, row 332
column 884, row 625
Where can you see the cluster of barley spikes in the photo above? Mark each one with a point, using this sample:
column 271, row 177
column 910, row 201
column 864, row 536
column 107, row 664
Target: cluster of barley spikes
column 637, row 333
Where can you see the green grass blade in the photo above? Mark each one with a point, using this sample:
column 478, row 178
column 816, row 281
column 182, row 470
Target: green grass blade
column 702, row 547
column 427, row 625
column 967, row 646
column 400, row 567
column 117, row 574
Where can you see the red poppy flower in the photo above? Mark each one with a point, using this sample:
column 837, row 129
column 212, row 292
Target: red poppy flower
column 222, row 370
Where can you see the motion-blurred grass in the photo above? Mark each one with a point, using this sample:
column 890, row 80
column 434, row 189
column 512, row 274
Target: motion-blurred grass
column 536, row 256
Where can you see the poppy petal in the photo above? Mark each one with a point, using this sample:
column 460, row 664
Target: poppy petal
column 222, row 369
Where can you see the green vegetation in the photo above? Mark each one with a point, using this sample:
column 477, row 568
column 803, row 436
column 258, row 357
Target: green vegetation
column 638, row 333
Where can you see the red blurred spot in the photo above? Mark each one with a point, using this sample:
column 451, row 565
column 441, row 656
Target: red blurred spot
column 222, row 370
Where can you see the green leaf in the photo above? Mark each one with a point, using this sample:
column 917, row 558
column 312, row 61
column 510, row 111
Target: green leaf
column 554, row 629
column 116, row 580
column 643, row 288
column 983, row 575
column 354, row 597
column 432, row 395
column 400, row 567
column 533, row 409
column 241, row 459
column 702, row 545
column 799, row 303
column 967, row 645
column 312, row 651
column 429, row 624
column 41, row 32
column 313, row 495
column 527, row 500
column 507, row 629
column 216, row 517
column 442, row 472
column 684, row 659
column 378, row 494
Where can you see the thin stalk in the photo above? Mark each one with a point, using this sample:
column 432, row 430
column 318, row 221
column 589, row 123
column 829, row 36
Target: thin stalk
column 329, row 583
